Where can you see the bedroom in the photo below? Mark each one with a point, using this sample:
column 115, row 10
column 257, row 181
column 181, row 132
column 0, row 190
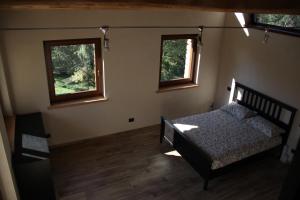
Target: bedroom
column 131, row 73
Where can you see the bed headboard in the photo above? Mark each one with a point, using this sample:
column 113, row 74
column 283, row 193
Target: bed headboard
column 271, row 109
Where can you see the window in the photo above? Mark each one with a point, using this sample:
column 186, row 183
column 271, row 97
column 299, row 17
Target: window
column 289, row 24
column 74, row 69
column 178, row 59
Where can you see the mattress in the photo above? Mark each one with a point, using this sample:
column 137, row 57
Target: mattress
column 223, row 137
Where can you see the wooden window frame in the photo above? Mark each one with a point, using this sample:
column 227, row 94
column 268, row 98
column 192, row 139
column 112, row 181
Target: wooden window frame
column 98, row 70
column 182, row 81
column 273, row 28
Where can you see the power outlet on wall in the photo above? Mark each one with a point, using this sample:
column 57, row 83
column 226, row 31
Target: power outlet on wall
column 131, row 119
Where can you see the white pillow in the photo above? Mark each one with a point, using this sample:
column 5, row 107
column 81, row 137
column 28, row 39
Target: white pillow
column 265, row 126
column 237, row 110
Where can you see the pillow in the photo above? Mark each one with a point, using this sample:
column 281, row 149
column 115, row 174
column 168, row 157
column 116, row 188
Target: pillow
column 237, row 110
column 265, row 126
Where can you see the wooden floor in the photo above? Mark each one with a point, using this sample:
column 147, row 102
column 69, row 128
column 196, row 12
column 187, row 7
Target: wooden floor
column 134, row 166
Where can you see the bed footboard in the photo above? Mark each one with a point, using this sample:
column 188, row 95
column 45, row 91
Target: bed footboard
column 167, row 131
column 162, row 128
column 196, row 157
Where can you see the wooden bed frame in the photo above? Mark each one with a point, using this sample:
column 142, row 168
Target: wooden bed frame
column 265, row 106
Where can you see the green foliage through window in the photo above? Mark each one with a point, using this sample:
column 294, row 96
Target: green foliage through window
column 285, row 21
column 177, row 58
column 173, row 59
column 73, row 68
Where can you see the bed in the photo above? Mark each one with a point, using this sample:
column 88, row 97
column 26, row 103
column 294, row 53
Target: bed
column 217, row 141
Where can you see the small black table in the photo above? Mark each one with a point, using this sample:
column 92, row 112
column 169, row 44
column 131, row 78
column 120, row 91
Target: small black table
column 34, row 180
column 33, row 175
column 30, row 124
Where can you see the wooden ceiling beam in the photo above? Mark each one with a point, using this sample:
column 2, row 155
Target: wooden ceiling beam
column 251, row 6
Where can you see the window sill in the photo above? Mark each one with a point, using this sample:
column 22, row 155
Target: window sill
column 177, row 87
column 78, row 102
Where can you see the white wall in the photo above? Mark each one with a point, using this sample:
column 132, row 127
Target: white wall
column 5, row 100
column 131, row 69
column 7, row 184
column 273, row 69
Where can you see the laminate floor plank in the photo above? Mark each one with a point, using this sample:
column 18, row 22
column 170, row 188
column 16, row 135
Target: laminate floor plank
column 134, row 166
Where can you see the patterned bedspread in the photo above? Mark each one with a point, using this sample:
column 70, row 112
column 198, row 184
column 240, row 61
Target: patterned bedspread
column 223, row 137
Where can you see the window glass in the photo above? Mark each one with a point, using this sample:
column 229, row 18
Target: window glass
column 177, row 59
column 286, row 21
column 73, row 68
